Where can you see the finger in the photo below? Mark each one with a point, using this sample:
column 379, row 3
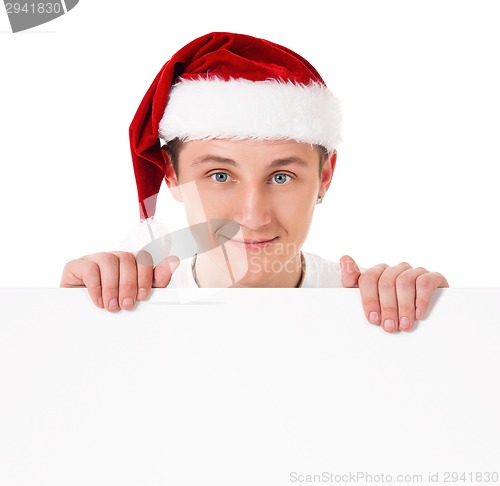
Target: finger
column 127, row 283
column 368, row 287
column 388, row 296
column 163, row 272
column 82, row 273
column 350, row 272
column 425, row 285
column 108, row 264
column 144, row 275
column 406, row 294
column 72, row 274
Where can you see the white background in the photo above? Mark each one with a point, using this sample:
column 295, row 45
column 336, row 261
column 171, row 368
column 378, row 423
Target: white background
column 416, row 177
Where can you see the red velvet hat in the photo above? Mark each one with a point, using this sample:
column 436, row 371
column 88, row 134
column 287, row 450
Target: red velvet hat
column 231, row 86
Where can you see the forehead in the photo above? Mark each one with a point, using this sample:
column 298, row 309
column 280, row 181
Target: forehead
column 241, row 151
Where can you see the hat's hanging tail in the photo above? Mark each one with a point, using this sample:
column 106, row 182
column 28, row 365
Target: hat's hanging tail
column 147, row 157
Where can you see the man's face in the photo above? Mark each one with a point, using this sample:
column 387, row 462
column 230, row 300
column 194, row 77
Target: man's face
column 269, row 188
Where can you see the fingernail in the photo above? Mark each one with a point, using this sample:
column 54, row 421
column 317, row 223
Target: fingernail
column 127, row 303
column 373, row 317
column 142, row 294
column 404, row 323
column 100, row 303
column 418, row 313
column 113, row 304
column 389, row 325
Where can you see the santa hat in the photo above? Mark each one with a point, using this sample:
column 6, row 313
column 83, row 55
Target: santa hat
column 230, row 86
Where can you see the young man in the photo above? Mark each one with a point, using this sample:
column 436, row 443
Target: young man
column 250, row 132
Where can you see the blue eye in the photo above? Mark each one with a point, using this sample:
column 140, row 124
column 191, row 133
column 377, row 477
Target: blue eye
column 220, row 177
column 281, row 178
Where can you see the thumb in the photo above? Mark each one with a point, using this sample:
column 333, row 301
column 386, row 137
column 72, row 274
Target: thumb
column 162, row 273
column 350, row 272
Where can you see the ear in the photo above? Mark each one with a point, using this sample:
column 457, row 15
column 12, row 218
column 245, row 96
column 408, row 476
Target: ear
column 327, row 173
column 171, row 176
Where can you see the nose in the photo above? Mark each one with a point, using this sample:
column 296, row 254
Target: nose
column 252, row 207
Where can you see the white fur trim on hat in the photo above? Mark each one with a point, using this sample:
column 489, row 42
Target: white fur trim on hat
column 242, row 109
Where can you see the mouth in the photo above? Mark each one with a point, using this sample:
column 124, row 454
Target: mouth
column 252, row 243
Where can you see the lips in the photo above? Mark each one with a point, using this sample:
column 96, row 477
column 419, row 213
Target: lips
column 253, row 243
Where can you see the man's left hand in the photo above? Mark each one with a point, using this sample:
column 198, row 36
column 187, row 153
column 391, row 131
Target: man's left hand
column 394, row 297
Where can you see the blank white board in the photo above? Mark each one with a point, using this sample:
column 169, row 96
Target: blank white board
column 246, row 387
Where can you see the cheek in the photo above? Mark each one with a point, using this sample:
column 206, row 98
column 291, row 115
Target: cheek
column 295, row 215
column 201, row 204
column 193, row 202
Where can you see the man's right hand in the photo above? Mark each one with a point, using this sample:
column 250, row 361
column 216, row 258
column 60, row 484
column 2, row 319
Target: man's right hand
column 116, row 280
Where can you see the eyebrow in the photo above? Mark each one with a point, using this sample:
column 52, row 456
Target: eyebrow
column 274, row 164
column 213, row 158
